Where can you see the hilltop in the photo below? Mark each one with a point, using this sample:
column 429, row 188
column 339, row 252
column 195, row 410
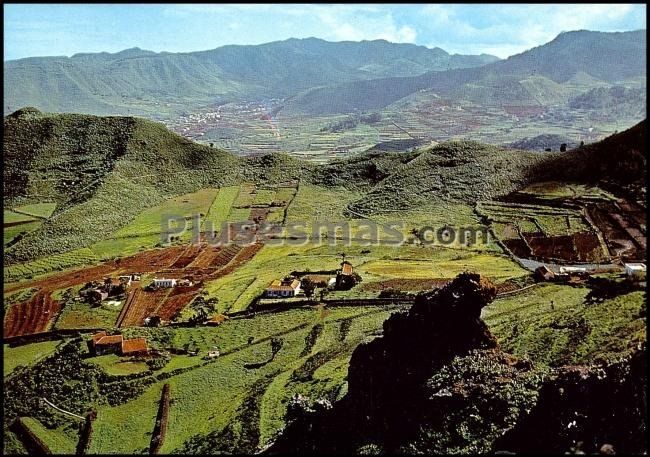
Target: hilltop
column 620, row 159
column 463, row 171
column 144, row 82
column 101, row 172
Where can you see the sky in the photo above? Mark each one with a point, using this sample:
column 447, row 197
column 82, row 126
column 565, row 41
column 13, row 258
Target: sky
column 502, row 30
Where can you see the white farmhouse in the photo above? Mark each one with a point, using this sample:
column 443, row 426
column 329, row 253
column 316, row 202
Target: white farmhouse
column 164, row 282
column 635, row 270
column 286, row 288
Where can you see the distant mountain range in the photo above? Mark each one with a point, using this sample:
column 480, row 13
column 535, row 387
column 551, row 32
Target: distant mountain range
column 542, row 75
column 317, row 77
column 136, row 80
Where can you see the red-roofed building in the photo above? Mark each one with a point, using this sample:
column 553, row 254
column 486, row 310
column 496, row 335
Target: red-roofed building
column 345, row 277
column 135, row 346
column 103, row 343
column 346, row 268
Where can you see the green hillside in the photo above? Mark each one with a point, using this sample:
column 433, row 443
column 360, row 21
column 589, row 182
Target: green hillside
column 102, row 172
column 462, row 171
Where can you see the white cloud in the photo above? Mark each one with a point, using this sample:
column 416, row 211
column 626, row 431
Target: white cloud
column 350, row 22
column 504, row 30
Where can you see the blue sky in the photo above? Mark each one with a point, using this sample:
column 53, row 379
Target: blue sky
column 502, row 30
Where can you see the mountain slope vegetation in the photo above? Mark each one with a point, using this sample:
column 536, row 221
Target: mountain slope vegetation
column 101, row 172
column 139, row 82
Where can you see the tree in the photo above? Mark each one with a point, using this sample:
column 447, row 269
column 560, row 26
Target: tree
column 276, row 345
column 308, row 286
column 563, row 147
column 199, row 317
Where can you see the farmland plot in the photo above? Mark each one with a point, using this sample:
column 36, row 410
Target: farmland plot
column 32, row 316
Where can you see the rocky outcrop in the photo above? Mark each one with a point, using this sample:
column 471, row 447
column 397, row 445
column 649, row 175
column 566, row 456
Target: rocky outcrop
column 437, row 382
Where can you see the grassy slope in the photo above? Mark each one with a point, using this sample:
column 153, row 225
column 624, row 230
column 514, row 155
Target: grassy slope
column 124, row 163
column 568, row 331
column 462, row 171
column 209, row 398
column 26, row 355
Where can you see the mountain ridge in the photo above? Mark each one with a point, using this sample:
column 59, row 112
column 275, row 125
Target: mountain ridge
column 602, row 56
column 136, row 79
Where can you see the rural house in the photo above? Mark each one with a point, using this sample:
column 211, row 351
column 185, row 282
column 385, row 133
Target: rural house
column 102, row 343
column 635, row 270
column 96, row 295
column 320, row 280
column 345, row 277
column 125, row 280
column 160, row 283
column 134, row 346
column 543, row 273
column 289, row 287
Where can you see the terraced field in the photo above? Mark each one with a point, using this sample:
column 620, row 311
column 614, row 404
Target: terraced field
column 552, row 233
column 314, row 365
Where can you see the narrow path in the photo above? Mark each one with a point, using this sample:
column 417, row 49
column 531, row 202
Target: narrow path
column 62, row 410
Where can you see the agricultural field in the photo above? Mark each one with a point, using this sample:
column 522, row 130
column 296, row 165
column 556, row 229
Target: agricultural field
column 13, row 218
column 115, row 365
column 11, row 232
column 58, row 441
column 76, row 314
column 21, row 220
column 57, row 262
column 217, row 391
column 551, row 190
column 551, row 233
column 39, row 210
column 150, row 221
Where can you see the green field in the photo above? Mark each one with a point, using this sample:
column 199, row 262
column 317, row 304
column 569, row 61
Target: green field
column 11, row 217
column 555, row 189
column 220, row 208
column 150, row 221
column 78, row 314
column 40, row 210
column 58, row 441
column 26, row 355
column 9, row 233
column 117, row 366
column 58, row 262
